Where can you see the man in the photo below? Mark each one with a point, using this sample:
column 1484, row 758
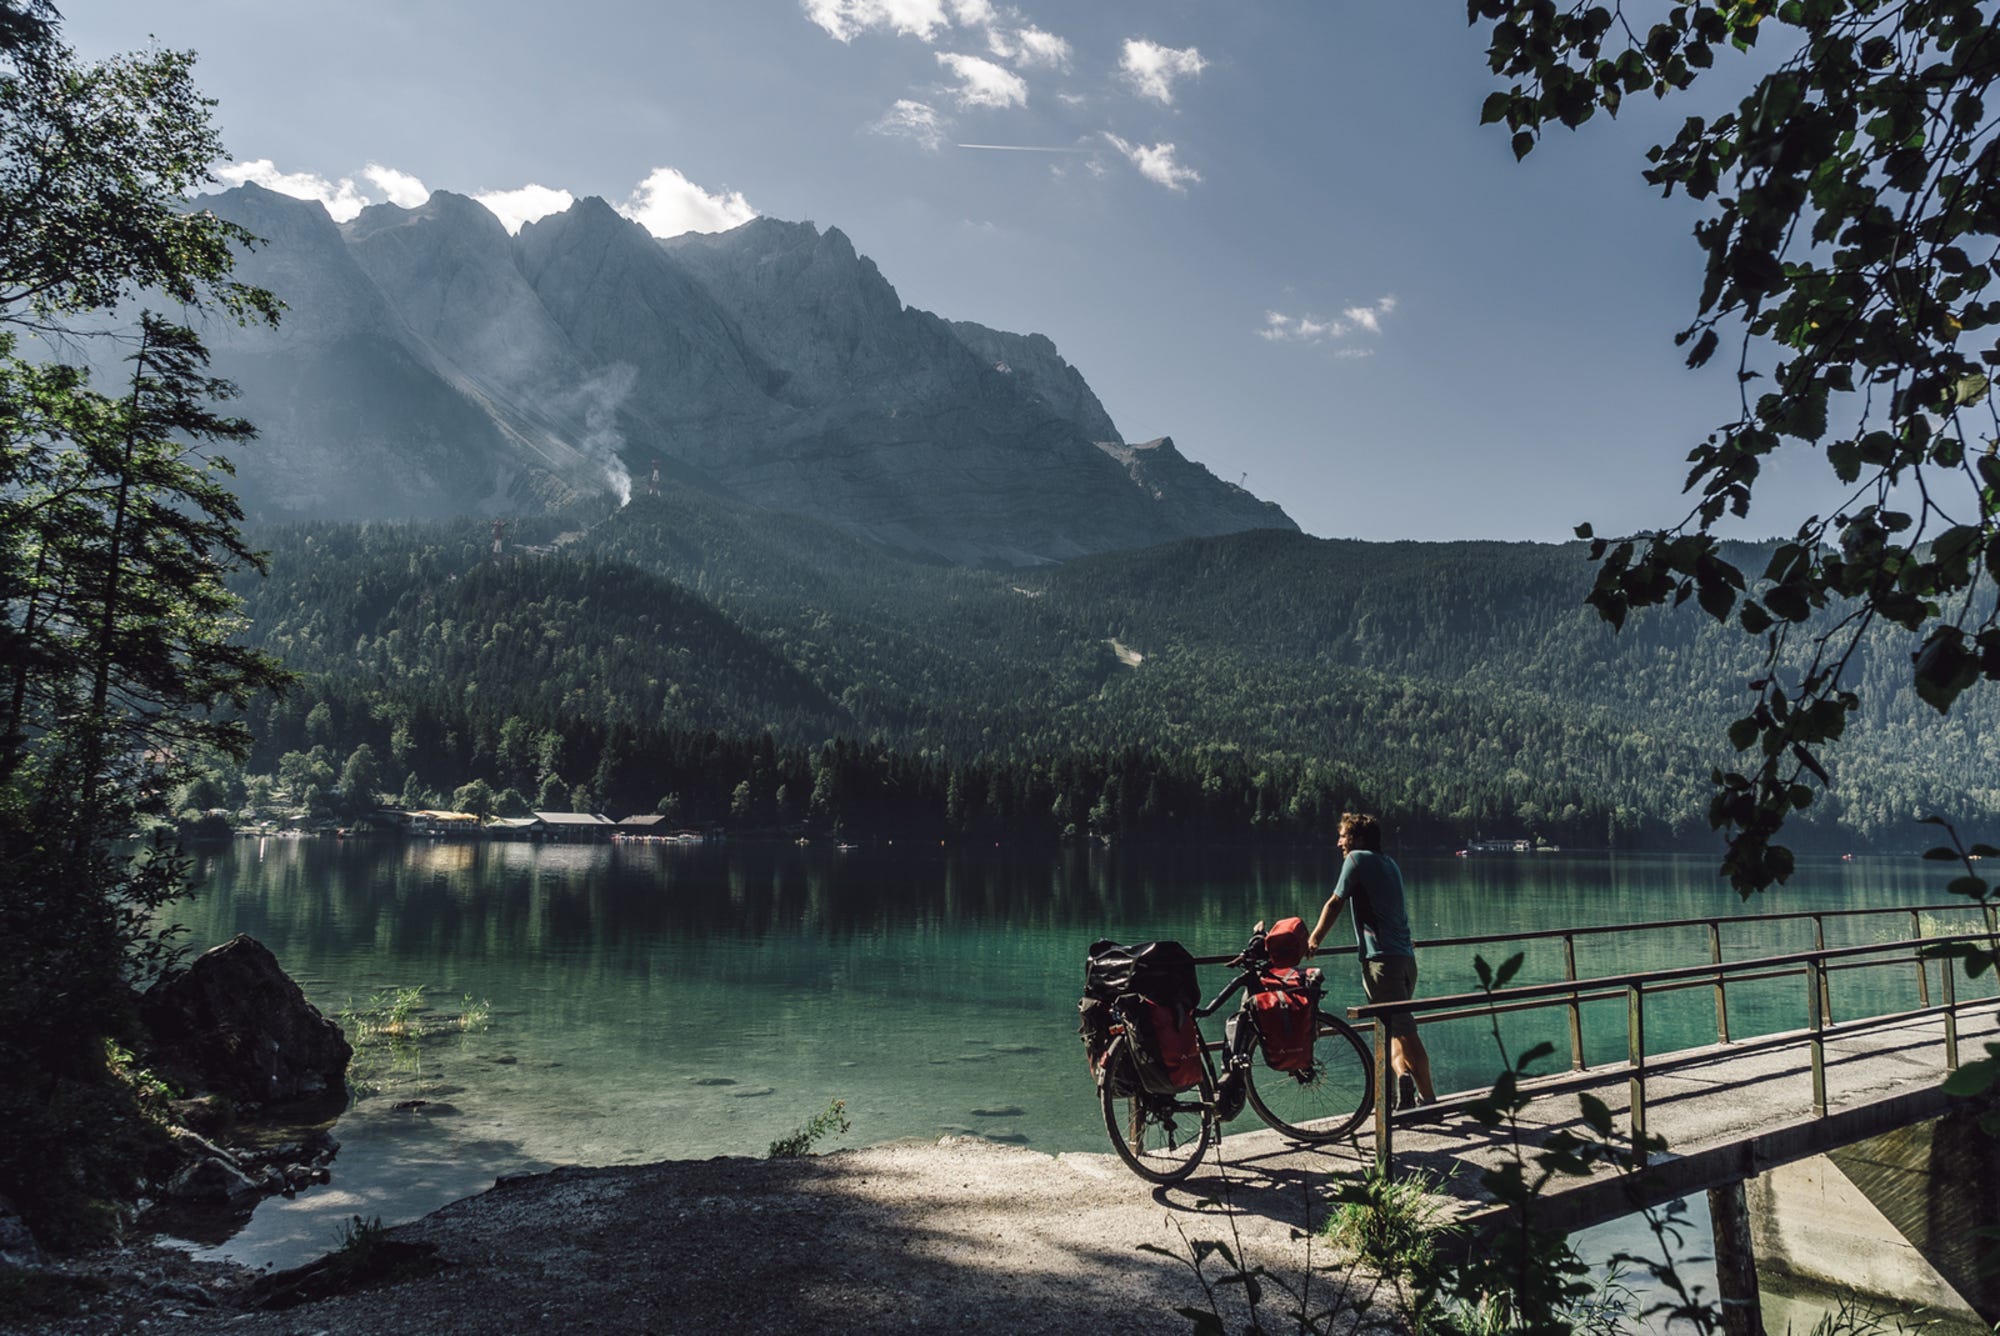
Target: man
column 1371, row 881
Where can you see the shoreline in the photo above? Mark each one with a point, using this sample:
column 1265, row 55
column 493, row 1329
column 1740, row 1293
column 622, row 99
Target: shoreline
column 959, row 1233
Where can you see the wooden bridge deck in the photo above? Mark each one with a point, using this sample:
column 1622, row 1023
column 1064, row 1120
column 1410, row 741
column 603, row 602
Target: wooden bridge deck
column 1727, row 1112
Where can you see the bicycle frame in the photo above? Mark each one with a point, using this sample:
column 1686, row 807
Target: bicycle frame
column 1318, row 1102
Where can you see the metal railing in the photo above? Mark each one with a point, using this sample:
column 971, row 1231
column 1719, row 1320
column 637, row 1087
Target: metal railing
column 1817, row 966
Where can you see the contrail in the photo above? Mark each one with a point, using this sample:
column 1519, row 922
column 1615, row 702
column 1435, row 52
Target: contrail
column 1023, row 148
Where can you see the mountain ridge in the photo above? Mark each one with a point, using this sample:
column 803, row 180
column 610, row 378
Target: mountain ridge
column 489, row 374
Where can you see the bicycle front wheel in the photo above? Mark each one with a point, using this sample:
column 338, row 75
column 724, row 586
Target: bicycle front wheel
column 1326, row 1100
column 1161, row 1138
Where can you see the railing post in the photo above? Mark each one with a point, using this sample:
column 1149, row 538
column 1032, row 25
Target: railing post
column 1721, row 994
column 1819, row 968
column 1816, row 1015
column 1993, row 941
column 1950, row 1019
column 1635, row 1048
column 1575, row 1007
column 1923, row 971
column 1385, row 1088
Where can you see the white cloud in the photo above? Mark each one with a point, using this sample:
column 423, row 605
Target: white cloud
column 847, row 19
column 1281, row 328
column 341, row 198
column 1370, row 317
column 974, row 13
column 1156, row 162
column 668, row 204
column 514, row 208
column 1030, row 48
column 403, row 190
column 913, row 120
column 1152, row 69
column 981, row 83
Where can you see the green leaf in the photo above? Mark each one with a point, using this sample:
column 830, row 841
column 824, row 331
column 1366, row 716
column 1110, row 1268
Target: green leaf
column 1524, row 142
column 1973, row 887
column 1945, row 667
column 1508, row 969
column 1704, row 348
column 1974, row 1078
column 1959, row 541
column 1495, row 107
column 1942, row 853
column 1845, row 456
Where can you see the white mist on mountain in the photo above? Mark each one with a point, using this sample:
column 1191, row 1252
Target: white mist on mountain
column 596, row 403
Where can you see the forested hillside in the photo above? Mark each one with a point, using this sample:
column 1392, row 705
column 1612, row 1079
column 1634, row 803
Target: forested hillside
column 727, row 664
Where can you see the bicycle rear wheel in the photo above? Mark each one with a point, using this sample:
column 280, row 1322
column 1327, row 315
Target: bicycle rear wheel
column 1161, row 1138
column 1322, row 1102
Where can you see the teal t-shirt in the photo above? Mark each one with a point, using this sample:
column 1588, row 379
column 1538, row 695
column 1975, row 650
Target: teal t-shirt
column 1372, row 886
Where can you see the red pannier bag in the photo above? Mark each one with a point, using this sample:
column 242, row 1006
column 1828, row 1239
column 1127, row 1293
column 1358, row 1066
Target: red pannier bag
column 1285, row 944
column 1284, row 1012
column 1175, row 1044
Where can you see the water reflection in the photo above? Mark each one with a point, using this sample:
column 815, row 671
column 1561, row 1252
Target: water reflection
column 649, row 1001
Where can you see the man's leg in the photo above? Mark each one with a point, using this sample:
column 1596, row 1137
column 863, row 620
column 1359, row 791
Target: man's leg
column 1408, row 1054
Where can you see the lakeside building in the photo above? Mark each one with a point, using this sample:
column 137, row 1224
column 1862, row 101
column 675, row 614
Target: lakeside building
column 572, row 826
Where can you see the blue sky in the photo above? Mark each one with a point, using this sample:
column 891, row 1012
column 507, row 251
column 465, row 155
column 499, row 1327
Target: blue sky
column 1272, row 230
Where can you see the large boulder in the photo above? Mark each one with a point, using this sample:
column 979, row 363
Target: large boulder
column 237, row 1023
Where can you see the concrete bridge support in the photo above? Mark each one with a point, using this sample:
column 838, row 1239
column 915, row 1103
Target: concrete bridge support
column 1894, row 1219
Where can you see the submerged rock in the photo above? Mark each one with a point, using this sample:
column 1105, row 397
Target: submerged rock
column 212, row 1178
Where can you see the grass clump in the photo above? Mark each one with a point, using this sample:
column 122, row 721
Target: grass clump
column 1391, row 1224
column 830, row 1121
column 392, row 1015
column 386, row 1031
column 474, row 1014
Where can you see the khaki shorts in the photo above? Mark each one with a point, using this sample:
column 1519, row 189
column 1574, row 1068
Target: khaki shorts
column 1392, row 979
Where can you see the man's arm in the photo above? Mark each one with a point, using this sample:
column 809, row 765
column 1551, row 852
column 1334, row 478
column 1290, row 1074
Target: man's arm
column 1328, row 916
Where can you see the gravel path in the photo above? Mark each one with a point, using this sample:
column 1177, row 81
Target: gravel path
column 963, row 1236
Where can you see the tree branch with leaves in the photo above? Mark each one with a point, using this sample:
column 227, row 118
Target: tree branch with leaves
column 121, row 642
column 1853, row 231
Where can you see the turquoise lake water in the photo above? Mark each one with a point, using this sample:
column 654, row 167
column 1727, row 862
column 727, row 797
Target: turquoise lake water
column 643, row 1002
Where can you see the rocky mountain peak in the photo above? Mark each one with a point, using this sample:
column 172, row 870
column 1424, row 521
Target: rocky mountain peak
column 486, row 373
column 1032, row 361
column 460, row 213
